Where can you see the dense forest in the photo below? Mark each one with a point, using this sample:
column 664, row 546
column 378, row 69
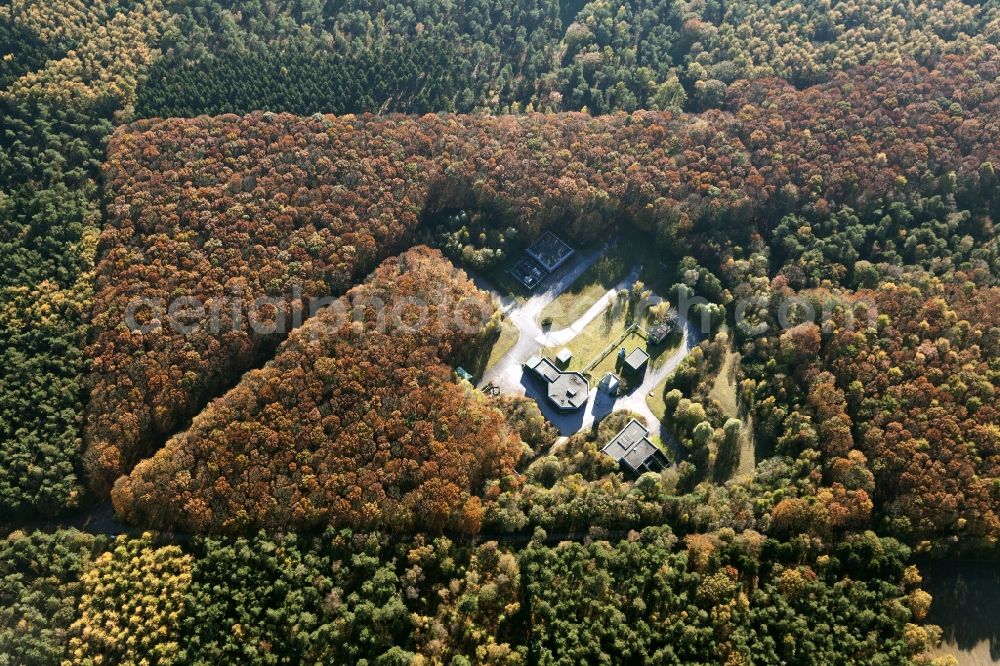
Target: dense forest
column 352, row 598
column 351, row 56
column 321, row 489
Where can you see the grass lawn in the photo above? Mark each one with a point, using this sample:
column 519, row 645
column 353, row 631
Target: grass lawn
column 604, row 274
column 656, row 403
column 724, row 387
column 748, row 451
column 633, row 247
column 611, row 362
column 600, row 333
column 658, row 354
column 597, row 335
column 723, row 391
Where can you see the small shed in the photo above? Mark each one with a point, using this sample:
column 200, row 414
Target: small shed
column 564, row 356
column 609, row 383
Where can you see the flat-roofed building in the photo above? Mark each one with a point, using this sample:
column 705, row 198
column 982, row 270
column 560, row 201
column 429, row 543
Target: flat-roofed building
column 545, row 255
column 635, row 361
column 527, row 272
column 567, row 391
column 549, row 251
column 634, row 451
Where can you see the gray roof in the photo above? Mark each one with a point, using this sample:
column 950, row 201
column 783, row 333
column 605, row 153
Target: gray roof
column 549, row 251
column 566, row 390
column 636, row 359
column 632, row 448
column 544, row 368
column 630, row 435
column 569, row 391
column 640, row 453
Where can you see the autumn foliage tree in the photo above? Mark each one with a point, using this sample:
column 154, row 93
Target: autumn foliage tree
column 355, row 422
column 923, row 384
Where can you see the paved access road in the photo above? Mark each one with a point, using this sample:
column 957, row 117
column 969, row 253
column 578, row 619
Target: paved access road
column 507, row 371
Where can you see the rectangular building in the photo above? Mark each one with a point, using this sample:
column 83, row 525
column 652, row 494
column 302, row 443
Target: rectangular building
column 549, row 251
column 634, row 451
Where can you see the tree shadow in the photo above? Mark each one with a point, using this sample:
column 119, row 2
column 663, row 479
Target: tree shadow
column 762, row 450
column 727, row 459
column 567, row 423
column 476, row 356
column 678, row 453
column 966, row 602
column 667, row 345
column 607, row 271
